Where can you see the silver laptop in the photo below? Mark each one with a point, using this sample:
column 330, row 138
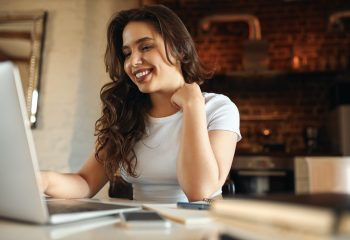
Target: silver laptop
column 20, row 197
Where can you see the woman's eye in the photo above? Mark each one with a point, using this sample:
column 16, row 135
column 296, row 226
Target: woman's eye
column 146, row 47
column 126, row 54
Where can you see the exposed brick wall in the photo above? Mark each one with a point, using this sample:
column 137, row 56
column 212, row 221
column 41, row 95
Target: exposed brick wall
column 285, row 105
column 295, row 28
column 292, row 29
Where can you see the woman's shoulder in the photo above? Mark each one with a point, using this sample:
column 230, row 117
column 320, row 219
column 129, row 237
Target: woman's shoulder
column 216, row 99
column 222, row 113
column 219, row 103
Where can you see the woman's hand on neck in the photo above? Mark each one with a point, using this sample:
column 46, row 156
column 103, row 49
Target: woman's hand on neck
column 162, row 104
column 189, row 95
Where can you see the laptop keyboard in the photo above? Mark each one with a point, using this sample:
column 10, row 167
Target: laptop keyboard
column 73, row 206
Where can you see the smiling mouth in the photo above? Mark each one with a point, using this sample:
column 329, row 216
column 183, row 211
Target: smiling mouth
column 142, row 74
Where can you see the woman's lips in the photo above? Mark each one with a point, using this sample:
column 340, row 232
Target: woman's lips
column 142, row 74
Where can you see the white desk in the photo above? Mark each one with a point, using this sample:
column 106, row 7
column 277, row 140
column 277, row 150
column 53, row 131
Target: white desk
column 18, row 231
column 109, row 228
column 103, row 228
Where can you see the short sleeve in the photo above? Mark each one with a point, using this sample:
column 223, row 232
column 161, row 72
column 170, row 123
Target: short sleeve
column 222, row 114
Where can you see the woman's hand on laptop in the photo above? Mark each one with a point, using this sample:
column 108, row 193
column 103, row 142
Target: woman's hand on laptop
column 43, row 181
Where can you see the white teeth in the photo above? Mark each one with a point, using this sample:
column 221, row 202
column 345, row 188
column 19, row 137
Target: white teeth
column 143, row 73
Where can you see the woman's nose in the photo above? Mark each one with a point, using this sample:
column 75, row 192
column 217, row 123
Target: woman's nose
column 136, row 60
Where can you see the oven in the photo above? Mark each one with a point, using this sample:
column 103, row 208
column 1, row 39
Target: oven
column 263, row 174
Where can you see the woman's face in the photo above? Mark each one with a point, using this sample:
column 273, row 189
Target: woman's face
column 145, row 60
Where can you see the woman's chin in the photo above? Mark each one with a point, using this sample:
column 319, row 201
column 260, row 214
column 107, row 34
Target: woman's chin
column 144, row 89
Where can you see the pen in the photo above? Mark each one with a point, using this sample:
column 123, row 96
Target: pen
column 189, row 205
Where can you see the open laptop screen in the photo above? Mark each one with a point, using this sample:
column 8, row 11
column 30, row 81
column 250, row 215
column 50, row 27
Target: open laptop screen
column 20, row 195
column 18, row 161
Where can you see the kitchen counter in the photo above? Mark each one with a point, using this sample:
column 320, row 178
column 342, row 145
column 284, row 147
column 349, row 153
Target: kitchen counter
column 320, row 174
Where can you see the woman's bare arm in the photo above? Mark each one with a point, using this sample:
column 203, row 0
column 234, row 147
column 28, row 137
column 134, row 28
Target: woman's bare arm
column 205, row 158
column 83, row 184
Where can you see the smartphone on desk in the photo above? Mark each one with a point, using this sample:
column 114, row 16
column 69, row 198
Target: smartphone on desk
column 144, row 219
column 194, row 205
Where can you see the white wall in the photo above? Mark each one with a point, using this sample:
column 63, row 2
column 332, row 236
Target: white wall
column 72, row 75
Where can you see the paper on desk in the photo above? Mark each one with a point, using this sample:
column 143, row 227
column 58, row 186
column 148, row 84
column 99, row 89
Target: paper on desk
column 180, row 215
column 65, row 229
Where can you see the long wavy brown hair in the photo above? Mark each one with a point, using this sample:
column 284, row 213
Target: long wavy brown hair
column 124, row 107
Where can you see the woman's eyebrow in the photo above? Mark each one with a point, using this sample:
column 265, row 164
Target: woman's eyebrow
column 138, row 41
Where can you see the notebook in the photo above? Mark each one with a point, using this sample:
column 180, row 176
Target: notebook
column 181, row 215
column 316, row 213
column 21, row 198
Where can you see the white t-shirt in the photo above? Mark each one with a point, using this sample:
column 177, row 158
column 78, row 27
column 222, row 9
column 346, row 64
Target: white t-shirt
column 158, row 151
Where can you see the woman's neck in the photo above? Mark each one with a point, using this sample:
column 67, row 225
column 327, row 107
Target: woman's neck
column 162, row 106
column 161, row 100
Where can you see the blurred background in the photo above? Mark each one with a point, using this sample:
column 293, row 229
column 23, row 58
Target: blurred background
column 72, row 73
column 284, row 63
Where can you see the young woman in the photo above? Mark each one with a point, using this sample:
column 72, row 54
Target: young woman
column 158, row 130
